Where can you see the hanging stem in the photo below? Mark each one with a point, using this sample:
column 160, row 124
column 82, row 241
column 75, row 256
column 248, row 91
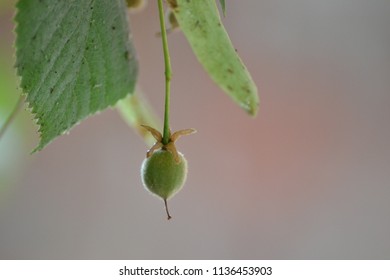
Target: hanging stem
column 166, row 209
column 12, row 116
column 168, row 74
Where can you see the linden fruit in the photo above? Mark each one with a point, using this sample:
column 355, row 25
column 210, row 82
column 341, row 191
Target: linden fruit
column 162, row 175
column 164, row 170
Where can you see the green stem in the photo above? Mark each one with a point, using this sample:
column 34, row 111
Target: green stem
column 168, row 74
column 12, row 116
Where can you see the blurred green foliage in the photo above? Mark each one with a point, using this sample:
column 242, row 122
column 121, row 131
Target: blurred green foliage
column 14, row 144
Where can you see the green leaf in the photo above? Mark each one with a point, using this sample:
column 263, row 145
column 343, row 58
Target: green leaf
column 223, row 6
column 201, row 24
column 75, row 58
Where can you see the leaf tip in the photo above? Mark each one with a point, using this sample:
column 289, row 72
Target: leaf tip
column 251, row 103
column 252, row 108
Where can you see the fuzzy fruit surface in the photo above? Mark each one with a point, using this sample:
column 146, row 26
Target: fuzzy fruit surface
column 162, row 175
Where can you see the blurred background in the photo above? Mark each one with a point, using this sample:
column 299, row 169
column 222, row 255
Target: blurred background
column 309, row 178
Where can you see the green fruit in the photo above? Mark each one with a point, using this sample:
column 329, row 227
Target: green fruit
column 162, row 175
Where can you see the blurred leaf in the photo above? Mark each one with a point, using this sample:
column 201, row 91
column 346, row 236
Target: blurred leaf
column 13, row 145
column 75, row 58
column 8, row 93
column 223, row 6
column 201, row 24
column 136, row 111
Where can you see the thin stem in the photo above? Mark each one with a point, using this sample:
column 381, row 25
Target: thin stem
column 12, row 116
column 168, row 74
column 166, row 209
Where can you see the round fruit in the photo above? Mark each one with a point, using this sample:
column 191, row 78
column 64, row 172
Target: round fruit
column 162, row 175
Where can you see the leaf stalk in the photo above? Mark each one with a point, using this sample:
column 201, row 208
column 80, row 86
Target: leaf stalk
column 168, row 74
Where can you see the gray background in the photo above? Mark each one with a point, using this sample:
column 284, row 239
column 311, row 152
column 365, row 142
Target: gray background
column 307, row 179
